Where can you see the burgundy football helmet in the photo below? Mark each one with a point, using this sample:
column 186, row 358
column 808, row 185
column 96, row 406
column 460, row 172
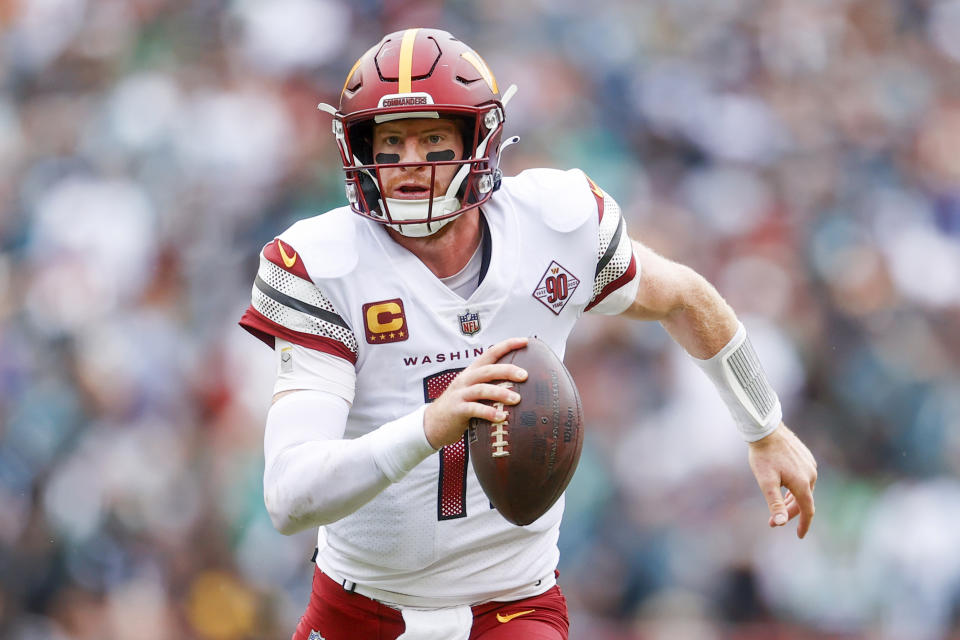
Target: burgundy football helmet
column 420, row 73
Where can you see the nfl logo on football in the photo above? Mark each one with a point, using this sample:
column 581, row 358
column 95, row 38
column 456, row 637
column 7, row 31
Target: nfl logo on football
column 469, row 323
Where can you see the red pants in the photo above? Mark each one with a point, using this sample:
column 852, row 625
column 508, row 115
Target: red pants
column 337, row 614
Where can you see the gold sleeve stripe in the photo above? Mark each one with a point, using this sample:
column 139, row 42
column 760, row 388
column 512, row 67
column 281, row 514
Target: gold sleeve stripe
column 482, row 69
column 406, row 60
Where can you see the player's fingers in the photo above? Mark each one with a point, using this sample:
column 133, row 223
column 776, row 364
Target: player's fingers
column 788, row 498
column 502, row 348
column 806, row 508
column 491, row 372
column 484, row 412
column 502, row 392
column 775, row 501
column 793, row 509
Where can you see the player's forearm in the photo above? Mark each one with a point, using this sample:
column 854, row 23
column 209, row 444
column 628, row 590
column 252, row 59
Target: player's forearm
column 313, row 476
column 700, row 320
column 315, row 483
column 705, row 325
column 687, row 306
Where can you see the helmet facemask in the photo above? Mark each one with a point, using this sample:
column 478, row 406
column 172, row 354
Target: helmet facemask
column 471, row 185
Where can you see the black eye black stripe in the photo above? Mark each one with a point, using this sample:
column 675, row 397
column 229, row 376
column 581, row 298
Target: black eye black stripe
column 433, row 156
column 441, row 156
column 303, row 307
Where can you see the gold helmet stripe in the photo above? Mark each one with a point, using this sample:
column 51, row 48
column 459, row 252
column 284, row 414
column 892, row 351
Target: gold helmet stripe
column 482, row 69
column 406, row 60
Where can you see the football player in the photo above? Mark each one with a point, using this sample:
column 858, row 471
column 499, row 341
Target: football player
column 388, row 317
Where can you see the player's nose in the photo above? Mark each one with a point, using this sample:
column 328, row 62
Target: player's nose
column 412, row 151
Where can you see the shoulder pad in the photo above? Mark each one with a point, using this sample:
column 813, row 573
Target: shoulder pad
column 327, row 243
column 563, row 199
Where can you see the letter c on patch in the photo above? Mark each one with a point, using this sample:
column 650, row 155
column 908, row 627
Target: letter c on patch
column 384, row 317
column 385, row 321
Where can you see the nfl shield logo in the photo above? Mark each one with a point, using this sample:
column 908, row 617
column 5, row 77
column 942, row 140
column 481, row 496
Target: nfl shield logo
column 315, row 635
column 469, row 323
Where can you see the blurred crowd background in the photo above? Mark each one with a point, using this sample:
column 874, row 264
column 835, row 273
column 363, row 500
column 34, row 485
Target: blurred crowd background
column 803, row 155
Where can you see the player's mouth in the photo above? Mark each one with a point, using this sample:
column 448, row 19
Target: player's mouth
column 411, row 192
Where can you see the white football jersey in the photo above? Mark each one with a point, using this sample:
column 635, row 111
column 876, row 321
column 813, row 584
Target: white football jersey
column 338, row 283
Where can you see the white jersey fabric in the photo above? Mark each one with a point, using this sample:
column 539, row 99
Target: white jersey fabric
column 338, row 284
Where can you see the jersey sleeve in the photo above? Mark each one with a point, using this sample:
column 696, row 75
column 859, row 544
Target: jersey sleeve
column 617, row 275
column 300, row 368
column 285, row 303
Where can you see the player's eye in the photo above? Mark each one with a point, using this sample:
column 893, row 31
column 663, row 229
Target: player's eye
column 391, row 141
column 435, row 138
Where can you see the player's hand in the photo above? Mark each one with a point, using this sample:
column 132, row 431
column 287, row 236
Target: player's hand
column 446, row 418
column 781, row 460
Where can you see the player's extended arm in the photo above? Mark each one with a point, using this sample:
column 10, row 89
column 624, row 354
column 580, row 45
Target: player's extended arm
column 700, row 320
column 313, row 476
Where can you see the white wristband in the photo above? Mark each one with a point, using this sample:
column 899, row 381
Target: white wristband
column 400, row 445
column 739, row 378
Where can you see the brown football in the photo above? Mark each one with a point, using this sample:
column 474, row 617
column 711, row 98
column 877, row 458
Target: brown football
column 525, row 462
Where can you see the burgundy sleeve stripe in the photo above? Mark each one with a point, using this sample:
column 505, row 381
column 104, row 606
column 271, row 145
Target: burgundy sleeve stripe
column 265, row 329
column 616, row 284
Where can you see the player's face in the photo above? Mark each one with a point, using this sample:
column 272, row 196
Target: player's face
column 411, row 140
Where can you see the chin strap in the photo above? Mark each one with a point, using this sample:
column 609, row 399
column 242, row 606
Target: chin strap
column 417, row 210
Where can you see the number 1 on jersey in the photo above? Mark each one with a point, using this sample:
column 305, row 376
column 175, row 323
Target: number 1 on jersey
column 452, row 489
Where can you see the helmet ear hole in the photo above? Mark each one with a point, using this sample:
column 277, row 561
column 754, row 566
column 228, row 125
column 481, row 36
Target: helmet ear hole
column 360, row 135
column 371, row 192
column 467, row 128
